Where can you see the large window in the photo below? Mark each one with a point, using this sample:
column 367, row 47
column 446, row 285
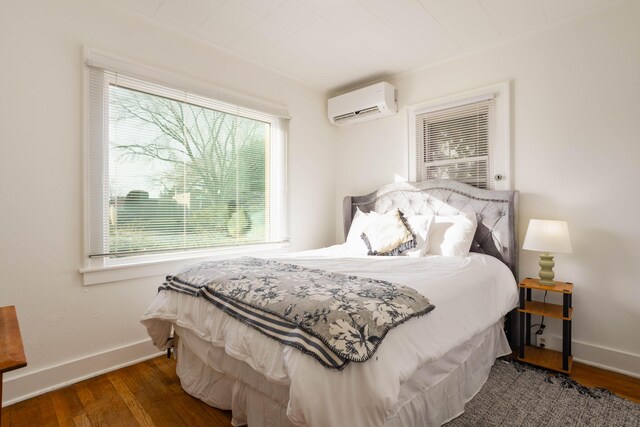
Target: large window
column 171, row 171
column 465, row 138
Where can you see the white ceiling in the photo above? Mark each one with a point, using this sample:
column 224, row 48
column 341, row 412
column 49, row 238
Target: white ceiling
column 331, row 44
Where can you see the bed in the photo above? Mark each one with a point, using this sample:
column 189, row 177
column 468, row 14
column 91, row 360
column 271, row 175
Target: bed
column 421, row 374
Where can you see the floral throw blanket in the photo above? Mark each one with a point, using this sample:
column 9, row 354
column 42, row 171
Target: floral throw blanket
column 333, row 317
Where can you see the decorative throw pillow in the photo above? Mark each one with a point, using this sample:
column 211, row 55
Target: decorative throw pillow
column 360, row 221
column 452, row 235
column 419, row 225
column 388, row 234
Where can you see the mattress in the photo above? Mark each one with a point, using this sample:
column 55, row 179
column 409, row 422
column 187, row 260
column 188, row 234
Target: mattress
column 471, row 295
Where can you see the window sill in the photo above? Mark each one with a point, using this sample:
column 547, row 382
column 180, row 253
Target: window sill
column 127, row 269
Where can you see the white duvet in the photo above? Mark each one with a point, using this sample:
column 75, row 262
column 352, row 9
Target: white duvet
column 470, row 294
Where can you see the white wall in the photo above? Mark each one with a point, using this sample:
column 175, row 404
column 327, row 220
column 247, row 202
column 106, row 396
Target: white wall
column 575, row 124
column 70, row 330
column 576, row 92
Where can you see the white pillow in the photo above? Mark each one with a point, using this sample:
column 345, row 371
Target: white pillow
column 419, row 225
column 452, row 235
column 360, row 221
column 388, row 234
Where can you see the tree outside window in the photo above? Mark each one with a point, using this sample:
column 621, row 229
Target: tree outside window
column 183, row 175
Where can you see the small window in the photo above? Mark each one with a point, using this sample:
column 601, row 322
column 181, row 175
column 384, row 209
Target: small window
column 454, row 143
column 465, row 139
column 171, row 171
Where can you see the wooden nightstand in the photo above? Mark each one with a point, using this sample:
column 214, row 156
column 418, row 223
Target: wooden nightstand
column 550, row 359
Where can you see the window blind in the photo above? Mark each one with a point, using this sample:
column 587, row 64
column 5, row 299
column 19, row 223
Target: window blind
column 455, row 142
column 171, row 170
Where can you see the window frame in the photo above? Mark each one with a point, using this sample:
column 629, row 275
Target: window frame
column 499, row 146
column 104, row 269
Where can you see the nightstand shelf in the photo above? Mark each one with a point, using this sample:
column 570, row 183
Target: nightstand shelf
column 545, row 309
column 545, row 358
column 554, row 360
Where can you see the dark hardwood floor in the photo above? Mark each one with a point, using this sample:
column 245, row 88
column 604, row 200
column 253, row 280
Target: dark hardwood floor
column 622, row 385
column 145, row 394
column 149, row 394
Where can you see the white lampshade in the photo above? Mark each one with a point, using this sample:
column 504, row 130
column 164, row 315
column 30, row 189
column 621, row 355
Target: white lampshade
column 547, row 236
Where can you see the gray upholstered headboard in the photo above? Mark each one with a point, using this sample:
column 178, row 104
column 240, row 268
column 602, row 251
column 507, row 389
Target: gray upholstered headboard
column 495, row 211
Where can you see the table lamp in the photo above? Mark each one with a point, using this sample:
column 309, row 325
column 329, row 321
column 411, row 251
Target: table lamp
column 547, row 236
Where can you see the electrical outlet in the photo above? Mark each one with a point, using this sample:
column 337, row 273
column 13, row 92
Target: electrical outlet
column 541, row 340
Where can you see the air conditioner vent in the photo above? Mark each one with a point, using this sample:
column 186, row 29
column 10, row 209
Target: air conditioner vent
column 344, row 116
column 360, row 113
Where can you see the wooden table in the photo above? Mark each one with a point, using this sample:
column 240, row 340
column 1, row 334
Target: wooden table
column 11, row 349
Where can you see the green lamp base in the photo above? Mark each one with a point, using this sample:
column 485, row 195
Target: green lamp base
column 546, row 270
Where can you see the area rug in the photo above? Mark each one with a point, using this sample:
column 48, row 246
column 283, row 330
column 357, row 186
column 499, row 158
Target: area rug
column 521, row 395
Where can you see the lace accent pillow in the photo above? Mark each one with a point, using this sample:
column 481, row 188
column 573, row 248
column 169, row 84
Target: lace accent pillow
column 388, row 234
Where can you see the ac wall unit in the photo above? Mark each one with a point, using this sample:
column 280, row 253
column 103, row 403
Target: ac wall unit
column 369, row 103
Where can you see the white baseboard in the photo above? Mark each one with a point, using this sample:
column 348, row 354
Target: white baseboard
column 20, row 387
column 601, row 357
